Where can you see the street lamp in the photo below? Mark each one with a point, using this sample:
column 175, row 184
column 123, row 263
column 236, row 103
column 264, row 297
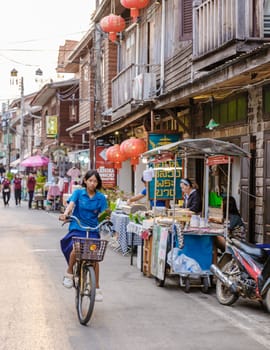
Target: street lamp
column 20, row 82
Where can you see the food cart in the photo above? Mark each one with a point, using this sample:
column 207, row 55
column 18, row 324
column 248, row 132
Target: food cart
column 196, row 240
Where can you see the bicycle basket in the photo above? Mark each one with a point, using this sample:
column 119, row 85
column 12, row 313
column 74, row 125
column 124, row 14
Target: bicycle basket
column 89, row 248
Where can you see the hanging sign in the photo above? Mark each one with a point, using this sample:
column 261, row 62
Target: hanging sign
column 51, row 126
column 215, row 160
column 165, row 169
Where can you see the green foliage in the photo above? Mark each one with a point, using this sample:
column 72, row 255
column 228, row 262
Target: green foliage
column 104, row 215
column 137, row 217
column 9, row 176
column 40, row 182
column 112, row 194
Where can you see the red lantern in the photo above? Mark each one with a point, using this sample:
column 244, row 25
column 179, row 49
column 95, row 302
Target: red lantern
column 109, row 153
column 133, row 148
column 112, row 24
column 114, row 155
column 134, row 6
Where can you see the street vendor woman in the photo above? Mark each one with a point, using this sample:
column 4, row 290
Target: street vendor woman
column 191, row 196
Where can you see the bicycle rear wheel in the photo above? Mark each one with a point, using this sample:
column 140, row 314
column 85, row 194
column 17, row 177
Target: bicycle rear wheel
column 86, row 293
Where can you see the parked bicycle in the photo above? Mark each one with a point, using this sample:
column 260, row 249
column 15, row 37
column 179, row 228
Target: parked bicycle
column 88, row 252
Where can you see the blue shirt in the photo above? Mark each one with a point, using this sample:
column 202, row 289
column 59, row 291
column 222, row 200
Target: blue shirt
column 159, row 202
column 86, row 209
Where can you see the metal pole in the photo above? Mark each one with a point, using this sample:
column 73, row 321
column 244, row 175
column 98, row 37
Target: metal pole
column 8, row 141
column 162, row 47
column 22, row 122
column 6, row 129
column 206, row 189
column 228, row 195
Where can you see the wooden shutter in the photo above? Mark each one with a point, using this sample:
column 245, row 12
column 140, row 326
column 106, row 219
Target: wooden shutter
column 185, row 18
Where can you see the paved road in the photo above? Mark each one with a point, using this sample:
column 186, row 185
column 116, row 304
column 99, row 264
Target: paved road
column 37, row 312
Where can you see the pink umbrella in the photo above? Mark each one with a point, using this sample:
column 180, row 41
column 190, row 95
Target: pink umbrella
column 35, row 161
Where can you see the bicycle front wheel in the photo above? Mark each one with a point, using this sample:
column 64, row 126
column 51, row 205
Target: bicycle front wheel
column 86, row 293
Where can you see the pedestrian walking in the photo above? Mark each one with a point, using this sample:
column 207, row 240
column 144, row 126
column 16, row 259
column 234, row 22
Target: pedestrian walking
column 31, row 183
column 17, row 185
column 6, row 191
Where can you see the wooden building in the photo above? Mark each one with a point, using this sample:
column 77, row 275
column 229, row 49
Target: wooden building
column 180, row 64
column 59, row 112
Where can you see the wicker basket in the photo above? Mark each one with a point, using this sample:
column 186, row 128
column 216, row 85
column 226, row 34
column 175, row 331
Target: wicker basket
column 89, row 248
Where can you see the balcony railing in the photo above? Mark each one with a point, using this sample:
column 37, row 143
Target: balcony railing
column 216, row 22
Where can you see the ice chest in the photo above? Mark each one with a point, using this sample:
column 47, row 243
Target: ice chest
column 199, row 248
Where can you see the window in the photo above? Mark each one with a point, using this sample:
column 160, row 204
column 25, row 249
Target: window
column 228, row 111
column 267, row 18
column 266, row 101
column 185, row 19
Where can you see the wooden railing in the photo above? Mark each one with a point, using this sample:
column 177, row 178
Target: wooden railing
column 126, row 85
column 216, row 22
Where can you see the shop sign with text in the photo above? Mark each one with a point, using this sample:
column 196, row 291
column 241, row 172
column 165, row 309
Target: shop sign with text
column 51, row 126
column 166, row 170
column 105, row 168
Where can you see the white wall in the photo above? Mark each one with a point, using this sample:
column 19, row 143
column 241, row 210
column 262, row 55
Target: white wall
column 124, row 177
column 235, row 181
column 125, row 174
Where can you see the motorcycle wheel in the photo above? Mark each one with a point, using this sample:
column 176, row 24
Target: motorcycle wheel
column 266, row 301
column 224, row 295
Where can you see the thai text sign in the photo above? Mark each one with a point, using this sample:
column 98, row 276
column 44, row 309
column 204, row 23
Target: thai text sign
column 166, row 171
column 218, row 160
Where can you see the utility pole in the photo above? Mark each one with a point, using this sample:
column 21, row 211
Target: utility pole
column 22, row 122
column 6, row 130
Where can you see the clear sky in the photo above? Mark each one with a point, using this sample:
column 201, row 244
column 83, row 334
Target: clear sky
column 31, row 33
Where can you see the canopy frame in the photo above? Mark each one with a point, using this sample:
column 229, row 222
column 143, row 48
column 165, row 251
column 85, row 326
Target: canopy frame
column 199, row 148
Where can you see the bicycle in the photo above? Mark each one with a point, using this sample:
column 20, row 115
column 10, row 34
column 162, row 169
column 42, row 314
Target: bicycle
column 88, row 252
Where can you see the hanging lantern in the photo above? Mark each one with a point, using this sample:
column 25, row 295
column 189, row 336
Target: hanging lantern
column 133, row 148
column 115, row 155
column 134, row 6
column 112, row 24
column 109, row 152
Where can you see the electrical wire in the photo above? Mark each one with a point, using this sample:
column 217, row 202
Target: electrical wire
column 17, row 62
column 69, row 91
column 42, row 39
column 64, row 97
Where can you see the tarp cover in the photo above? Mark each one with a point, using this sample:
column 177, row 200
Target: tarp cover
column 198, row 147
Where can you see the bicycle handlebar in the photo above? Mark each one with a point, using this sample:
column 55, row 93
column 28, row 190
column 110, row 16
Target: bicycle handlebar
column 86, row 228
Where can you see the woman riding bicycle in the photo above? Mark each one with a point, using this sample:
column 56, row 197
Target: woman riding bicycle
column 86, row 204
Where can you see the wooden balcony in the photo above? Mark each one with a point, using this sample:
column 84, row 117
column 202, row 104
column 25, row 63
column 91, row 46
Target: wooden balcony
column 222, row 29
column 134, row 83
column 139, row 84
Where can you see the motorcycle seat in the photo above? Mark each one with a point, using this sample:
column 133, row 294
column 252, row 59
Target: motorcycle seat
column 259, row 254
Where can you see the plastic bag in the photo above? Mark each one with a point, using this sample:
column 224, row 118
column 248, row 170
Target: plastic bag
column 185, row 264
column 172, row 256
column 105, row 231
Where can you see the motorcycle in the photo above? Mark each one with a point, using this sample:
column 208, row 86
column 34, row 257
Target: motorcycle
column 243, row 271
